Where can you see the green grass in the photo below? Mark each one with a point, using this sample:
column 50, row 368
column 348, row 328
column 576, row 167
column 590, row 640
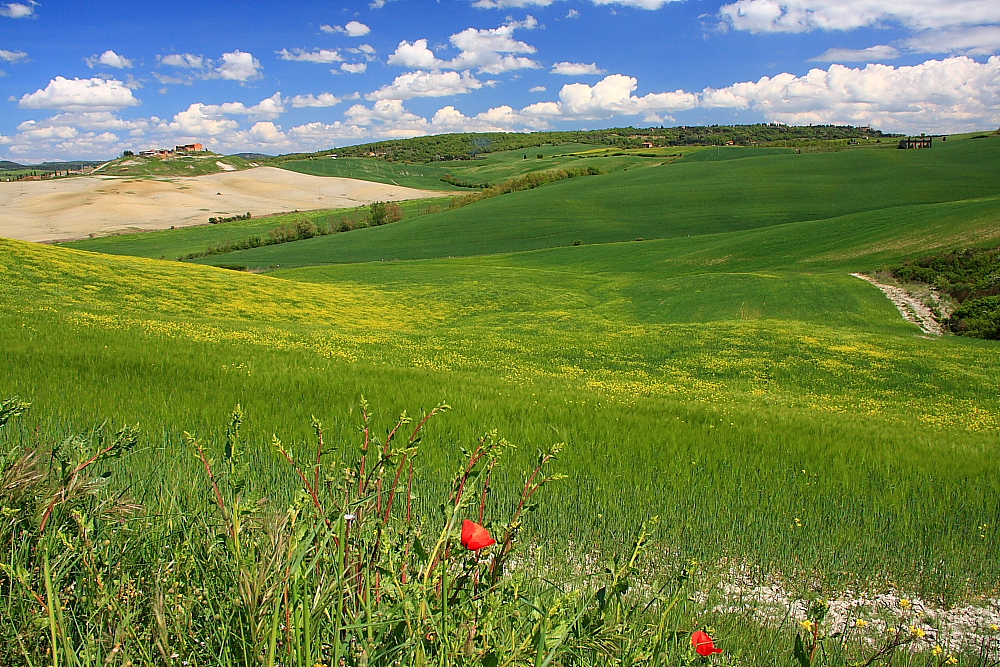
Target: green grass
column 733, row 153
column 174, row 243
column 674, row 200
column 179, row 166
column 493, row 168
column 766, row 353
column 422, row 176
column 729, row 377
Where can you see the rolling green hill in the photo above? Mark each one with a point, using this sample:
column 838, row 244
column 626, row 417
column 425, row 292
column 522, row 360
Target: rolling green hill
column 726, row 375
column 175, row 243
column 491, row 168
column 465, row 145
column 674, row 200
column 743, row 355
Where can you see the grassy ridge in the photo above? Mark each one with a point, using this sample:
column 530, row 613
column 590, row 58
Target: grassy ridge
column 671, row 201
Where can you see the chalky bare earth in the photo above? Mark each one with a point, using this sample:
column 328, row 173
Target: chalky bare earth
column 74, row 208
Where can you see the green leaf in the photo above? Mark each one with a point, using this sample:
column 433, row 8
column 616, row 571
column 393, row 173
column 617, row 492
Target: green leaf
column 799, row 653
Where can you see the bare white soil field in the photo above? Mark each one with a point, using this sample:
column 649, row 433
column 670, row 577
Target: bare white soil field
column 74, row 208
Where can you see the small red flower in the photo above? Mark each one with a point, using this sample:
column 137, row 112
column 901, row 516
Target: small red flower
column 703, row 644
column 475, row 537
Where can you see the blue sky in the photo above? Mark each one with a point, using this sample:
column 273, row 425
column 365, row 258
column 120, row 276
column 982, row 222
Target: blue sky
column 89, row 79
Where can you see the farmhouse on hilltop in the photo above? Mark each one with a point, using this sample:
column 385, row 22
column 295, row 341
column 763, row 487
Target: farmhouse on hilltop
column 166, row 152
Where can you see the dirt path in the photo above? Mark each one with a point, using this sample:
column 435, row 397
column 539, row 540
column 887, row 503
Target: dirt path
column 910, row 307
column 72, row 208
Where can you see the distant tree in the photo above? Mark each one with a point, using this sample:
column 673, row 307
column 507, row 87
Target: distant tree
column 393, row 212
column 127, row 153
column 377, row 214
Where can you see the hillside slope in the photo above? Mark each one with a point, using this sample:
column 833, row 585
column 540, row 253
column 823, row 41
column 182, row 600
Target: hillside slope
column 674, row 200
column 738, row 378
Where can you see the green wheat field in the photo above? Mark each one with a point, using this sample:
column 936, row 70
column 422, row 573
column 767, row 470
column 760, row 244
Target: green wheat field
column 687, row 325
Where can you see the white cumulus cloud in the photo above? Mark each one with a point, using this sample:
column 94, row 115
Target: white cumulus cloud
column 609, row 97
column 872, row 54
column 80, row 95
column 267, row 109
column 310, row 100
column 239, row 66
column 352, row 29
column 314, row 56
column 415, row 55
column 266, row 132
column 109, row 59
column 199, row 120
column 18, row 10
column 537, row 89
column 354, row 68
column 185, row 61
column 950, row 95
column 12, row 56
column 210, row 120
column 975, row 41
column 325, row 134
column 498, row 119
column 576, row 69
column 356, row 29
column 389, row 119
column 427, row 84
column 489, row 51
column 807, row 15
column 88, row 120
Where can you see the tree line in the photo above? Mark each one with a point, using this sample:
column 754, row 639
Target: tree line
column 471, row 145
column 374, row 215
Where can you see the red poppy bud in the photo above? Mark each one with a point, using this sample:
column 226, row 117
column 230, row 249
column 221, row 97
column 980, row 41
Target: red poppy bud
column 475, row 537
column 703, row 644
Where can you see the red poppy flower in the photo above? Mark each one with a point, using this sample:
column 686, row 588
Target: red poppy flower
column 475, row 537
column 703, row 644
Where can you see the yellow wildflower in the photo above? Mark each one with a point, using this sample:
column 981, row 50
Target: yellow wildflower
column 807, row 625
column 937, row 650
column 917, row 632
column 952, row 660
column 994, row 627
column 860, row 623
column 905, row 603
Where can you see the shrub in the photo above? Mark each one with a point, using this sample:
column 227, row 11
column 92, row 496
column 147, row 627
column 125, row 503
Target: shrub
column 979, row 318
column 393, row 212
column 306, row 229
column 215, row 221
column 377, row 214
column 526, row 182
column 448, row 178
